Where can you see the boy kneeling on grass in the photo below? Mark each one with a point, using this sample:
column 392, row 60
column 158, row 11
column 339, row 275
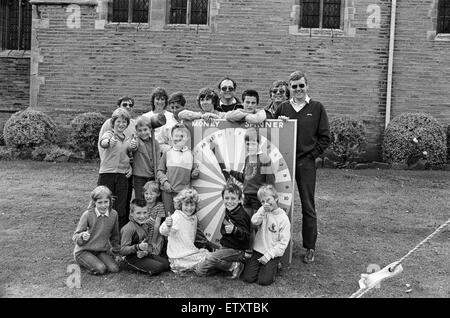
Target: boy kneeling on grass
column 235, row 231
column 271, row 240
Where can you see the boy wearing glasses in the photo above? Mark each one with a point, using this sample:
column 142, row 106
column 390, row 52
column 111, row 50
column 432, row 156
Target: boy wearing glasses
column 313, row 137
column 227, row 101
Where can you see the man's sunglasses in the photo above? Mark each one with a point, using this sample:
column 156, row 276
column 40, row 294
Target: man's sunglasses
column 126, row 104
column 227, row 88
column 299, row 85
column 278, row 91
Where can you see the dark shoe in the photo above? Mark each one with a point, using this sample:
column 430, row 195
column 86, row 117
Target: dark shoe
column 236, row 270
column 309, row 256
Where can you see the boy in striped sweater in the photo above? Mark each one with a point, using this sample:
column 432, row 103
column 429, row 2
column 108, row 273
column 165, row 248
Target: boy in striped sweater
column 176, row 167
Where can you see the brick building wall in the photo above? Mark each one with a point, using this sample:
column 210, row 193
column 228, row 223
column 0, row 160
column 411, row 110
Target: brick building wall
column 14, row 84
column 421, row 62
column 88, row 65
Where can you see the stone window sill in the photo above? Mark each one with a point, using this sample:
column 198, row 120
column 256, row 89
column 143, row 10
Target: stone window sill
column 316, row 32
column 185, row 27
column 442, row 37
column 167, row 27
column 15, row 54
column 127, row 26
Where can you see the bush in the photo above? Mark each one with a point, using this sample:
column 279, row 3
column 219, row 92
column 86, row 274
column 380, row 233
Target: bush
column 28, row 129
column 51, row 153
column 415, row 135
column 85, row 130
column 5, row 153
column 348, row 140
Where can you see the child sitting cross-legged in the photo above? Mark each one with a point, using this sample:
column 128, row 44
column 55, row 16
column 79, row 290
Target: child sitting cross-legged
column 271, row 240
column 235, row 231
column 136, row 244
column 181, row 228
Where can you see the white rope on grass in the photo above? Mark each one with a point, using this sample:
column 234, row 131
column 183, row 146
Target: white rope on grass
column 369, row 281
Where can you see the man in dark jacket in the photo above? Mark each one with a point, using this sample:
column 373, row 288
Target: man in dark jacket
column 313, row 137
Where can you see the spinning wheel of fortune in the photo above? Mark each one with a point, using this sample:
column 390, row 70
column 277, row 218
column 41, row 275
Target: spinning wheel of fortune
column 226, row 148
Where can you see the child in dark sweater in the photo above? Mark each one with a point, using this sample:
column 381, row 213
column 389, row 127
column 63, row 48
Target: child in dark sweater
column 141, row 254
column 235, row 231
column 96, row 233
column 146, row 151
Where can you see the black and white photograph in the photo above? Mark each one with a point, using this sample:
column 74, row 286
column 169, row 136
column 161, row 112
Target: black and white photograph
column 220, row 155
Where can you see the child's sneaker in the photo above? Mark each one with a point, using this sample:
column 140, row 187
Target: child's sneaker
column 236, row 270
column 309, row 256
column 248, row 254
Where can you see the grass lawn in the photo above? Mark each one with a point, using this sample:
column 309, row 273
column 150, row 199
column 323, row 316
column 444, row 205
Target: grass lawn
column 365, row 217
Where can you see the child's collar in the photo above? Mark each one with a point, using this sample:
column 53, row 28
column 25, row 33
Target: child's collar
column 183, row 149
column 97, row 212
column 185, row 215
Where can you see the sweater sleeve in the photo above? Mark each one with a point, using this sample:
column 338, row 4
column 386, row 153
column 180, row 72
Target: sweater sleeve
column 115, row 236
column 126, row 248
column 323, row 134
column 257, row 118
column 242, row 227
column 164, row 229
column 238, row 175
column 257, row 218
column 107, row 135
column 284, row 236
column 190, row 115
column 105, row 127
column 82, row 227
column 167, row 231
column 236, row 115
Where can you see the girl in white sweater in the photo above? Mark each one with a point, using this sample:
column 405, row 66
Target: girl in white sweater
column 271, row 240
column 181, row 228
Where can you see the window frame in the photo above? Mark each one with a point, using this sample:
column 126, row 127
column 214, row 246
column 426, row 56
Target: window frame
column 129, row 14
column 445, row 5
column 188, row 15
column 5, row 27
column 321, row 8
